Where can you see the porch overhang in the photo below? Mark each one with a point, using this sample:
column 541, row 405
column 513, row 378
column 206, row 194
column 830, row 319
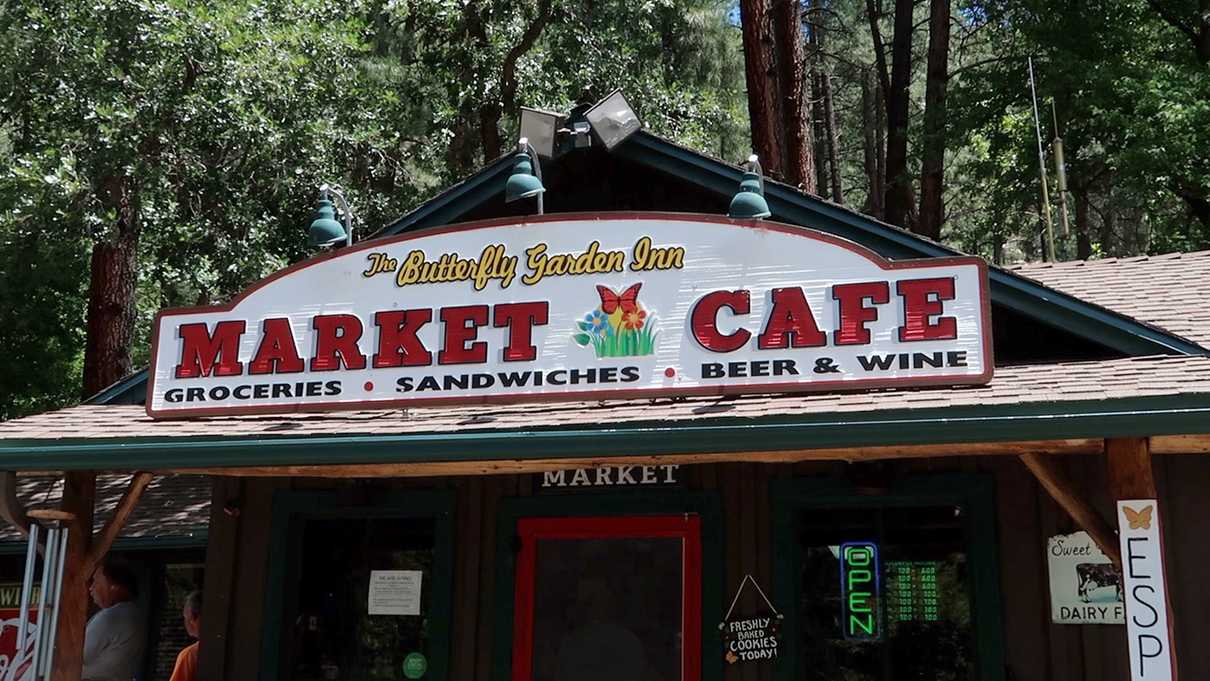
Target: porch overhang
column 1062, row 408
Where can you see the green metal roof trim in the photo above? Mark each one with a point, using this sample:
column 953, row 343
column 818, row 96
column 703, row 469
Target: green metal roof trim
column 1131, row 417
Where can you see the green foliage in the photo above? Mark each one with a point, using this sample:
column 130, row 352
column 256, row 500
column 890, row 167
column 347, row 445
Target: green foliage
column 227, row 116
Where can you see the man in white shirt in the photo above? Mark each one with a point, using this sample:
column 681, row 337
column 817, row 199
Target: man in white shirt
column 114, row 639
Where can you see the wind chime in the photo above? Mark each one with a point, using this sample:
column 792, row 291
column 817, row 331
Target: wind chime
column 35, row 650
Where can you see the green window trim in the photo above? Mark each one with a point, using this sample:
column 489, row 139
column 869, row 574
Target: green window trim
column 290, row 505
column 975, row 493
column 706, row 504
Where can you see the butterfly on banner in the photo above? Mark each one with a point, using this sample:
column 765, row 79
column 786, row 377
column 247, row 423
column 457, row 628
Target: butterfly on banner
column 1138, row 519
column 627, row 300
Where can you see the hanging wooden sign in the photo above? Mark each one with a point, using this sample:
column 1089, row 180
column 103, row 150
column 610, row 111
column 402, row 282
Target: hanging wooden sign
column 751, row 638
column 575, row 308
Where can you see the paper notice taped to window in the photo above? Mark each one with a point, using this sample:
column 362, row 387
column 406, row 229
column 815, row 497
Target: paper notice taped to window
column 395, row 592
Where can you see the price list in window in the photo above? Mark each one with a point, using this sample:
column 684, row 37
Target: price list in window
column 911, row 591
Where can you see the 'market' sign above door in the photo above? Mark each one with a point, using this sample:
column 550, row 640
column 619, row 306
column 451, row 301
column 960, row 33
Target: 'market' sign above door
column 576, row 307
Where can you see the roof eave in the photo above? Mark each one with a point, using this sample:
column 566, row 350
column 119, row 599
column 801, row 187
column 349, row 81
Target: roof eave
column 1127, row 417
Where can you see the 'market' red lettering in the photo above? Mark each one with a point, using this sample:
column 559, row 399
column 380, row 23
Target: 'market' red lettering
column 853, row 311
column 336, row 337
column 520, row 318
column 398, row 345
column 922, row 300
column 704, row 320
column 277, row 353
column 457, row 347
column 203, row 352
column 791, row 323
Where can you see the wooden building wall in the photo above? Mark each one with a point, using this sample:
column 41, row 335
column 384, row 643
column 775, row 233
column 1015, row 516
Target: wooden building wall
column 1035, row 649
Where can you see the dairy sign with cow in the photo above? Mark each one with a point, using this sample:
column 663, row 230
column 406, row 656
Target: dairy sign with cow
column 1085, row 586
column 576, row 308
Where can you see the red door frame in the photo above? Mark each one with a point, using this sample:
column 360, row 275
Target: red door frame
column 685, row 527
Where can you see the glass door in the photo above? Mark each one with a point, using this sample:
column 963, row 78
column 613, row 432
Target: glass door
column 608, row 598
column 885, row 594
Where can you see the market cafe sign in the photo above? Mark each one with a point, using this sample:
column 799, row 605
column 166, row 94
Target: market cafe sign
column 576, row 307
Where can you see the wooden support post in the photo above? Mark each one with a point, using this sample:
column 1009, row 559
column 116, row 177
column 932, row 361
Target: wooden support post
column 1129, row 461
column 79, row 494
column 1131, row 477
column 1056, row 483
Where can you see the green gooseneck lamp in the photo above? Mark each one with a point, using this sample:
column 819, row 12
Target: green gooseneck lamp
column 749, row 202
column 325, row 230
column 526, row 178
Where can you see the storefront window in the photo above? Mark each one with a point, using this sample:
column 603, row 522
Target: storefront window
column 328, row 633
column 909, row 619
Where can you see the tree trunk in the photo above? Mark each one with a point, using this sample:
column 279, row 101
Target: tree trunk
column 899, row 201
column 79, row 491
column 871, row 147
column 799, row 155
column 932, row 172
column 829, row 122
column 761, row 80
column 111, row 308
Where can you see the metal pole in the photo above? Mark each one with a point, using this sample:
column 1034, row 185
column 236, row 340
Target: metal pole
column 27, row 586
column 1060, row 173
column 54, row 617
column 533, row 157
column 51, row 559
column 1049, row 225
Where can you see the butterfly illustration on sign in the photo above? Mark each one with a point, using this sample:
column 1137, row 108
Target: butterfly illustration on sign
column 1138, row 519
column 619, row 326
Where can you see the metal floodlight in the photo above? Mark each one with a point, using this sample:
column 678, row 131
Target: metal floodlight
column 613, row 120
column 540, row 128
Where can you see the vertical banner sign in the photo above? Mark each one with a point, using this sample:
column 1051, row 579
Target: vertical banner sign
column 1147, row 629
column 859, row 590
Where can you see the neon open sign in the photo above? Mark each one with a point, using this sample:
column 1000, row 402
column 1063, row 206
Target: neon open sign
column 859, row 590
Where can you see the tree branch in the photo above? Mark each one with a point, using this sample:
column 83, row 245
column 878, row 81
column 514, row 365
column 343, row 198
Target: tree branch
column 1173, row 20
column 508, row 70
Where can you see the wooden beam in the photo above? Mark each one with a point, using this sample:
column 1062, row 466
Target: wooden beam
column 113, row 527
column 79, row 495
column 1180, row 444
column 1057, row 484
column 11, row 508
column 513, row 466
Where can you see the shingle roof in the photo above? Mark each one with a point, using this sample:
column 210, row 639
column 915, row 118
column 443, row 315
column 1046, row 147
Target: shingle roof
column 1169, row 291
column 172, row 506
column 1107, row 380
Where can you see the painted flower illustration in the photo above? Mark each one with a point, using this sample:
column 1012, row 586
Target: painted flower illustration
column 619, row 327
column 634, row 319
column 598, row 323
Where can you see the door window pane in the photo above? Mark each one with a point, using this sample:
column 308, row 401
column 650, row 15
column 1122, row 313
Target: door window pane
column 925, row 619
column 328, row 634
column 608, row 609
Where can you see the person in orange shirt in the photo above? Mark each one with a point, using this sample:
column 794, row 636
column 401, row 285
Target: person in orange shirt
column 186, row 661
